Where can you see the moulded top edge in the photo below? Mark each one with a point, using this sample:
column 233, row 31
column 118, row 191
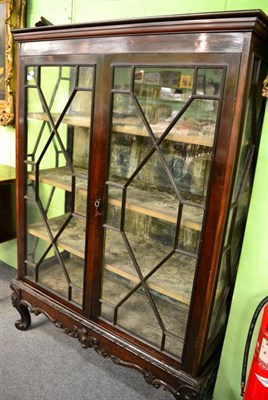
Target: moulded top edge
column 247, row 20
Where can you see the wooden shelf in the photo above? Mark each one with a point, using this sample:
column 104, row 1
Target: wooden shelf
column 69, row 119
column 174, row 314
column 72, row 239
column 84, row 121
column 61, row 178
column 159, row 205
column 143, row 324
column 179, row 136
column 52, row 278
column 162, row 205
column 153, row 286
column 174, row 279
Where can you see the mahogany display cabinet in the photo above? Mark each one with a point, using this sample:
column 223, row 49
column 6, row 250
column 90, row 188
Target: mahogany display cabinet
column 136, row 146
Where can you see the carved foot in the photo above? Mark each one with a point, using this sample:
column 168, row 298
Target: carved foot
column 25, row 321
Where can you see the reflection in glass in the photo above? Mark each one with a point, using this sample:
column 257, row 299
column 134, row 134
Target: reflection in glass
column 162, row 93
column 209, row 81
column 122, row 78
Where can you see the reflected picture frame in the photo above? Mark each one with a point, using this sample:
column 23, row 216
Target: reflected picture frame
column 185, row 81
column 12, row 16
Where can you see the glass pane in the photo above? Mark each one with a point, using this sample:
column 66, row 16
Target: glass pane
column 55, row 270
column 209, row 81
column 162, row 93
column 198, row 123
column 114, row 206
column 79, row 109
column 86, row 77
column 143, row 324
column 122, row 78
column 59, row 103
column 162, row 138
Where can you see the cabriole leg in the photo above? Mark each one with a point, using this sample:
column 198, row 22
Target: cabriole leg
column 25, row 321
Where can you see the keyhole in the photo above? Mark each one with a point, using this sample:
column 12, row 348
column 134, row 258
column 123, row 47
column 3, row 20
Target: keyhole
column 97, row 203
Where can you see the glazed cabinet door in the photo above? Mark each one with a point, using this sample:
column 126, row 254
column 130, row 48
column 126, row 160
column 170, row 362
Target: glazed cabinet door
column 56, row 140
column 165, row 122
column 147, row 133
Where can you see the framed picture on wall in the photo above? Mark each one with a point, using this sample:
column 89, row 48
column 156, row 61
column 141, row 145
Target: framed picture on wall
column 12, row 14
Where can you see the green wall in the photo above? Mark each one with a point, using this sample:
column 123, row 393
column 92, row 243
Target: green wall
column 252, row 280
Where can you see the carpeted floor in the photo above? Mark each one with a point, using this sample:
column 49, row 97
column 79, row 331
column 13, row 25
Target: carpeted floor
column 45, row 364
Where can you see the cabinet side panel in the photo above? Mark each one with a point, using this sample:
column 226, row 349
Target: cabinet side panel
column 240, row 199
column 220, row 187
